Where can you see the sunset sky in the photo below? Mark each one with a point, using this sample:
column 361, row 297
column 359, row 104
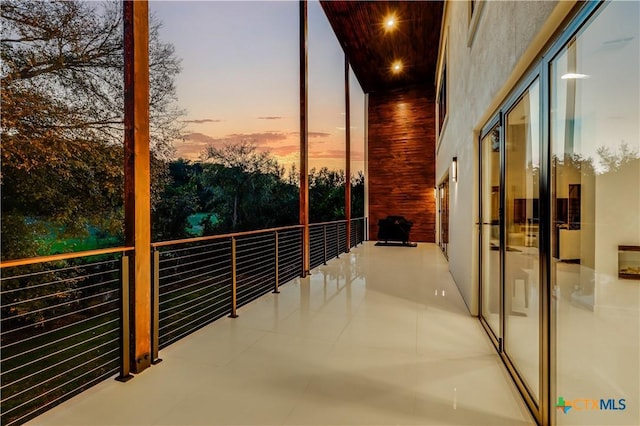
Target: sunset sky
column 239, row 79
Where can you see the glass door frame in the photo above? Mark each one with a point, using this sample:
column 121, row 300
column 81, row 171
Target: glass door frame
column 534, row 404
column 442, row 192
column 496, row 121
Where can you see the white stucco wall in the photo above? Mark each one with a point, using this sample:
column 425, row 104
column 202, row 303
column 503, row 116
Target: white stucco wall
column 510, row 35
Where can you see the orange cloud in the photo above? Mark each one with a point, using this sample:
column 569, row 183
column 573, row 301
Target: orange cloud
column 318, row 134
column 204, row 120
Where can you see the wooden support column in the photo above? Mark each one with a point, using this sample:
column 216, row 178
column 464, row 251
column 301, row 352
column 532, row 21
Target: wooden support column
column 347, row 184
column 304, row 141
column 137, row 200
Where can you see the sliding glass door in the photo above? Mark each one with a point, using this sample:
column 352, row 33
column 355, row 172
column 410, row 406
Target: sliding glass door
column 490, row 235
column 509, row 236
column 521, row 224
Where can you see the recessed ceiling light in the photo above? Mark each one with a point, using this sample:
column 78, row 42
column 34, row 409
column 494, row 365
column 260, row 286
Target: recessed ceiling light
column 390, row 22
column 396, row 67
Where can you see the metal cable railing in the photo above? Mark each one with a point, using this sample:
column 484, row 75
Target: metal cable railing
column 194, row 286
column 61, row 328
column 64, row 323
column 289, row 255
column 317, row 246
column 357, row 231
column 329, row 239
column 199, row 280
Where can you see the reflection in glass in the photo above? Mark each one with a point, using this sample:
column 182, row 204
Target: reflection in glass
column 596, row 205
column 490, row 242
column 521, row 274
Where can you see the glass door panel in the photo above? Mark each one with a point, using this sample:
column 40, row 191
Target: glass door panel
column 490, row 225
column 443, row 193
column 595, row 197
column 522, row 256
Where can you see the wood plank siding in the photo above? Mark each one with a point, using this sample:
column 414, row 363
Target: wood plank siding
column 401, row 160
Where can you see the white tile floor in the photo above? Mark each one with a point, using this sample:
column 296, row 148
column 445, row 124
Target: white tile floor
column 380, row 336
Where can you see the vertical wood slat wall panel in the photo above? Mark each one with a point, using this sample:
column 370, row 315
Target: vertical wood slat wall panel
column 401, row 151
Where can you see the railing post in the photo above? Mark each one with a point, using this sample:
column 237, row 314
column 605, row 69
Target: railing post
column 324, row 242
column 125, row 360
column 234, row 279
column 275, row 290
column 155, row 306
column 365, row 236
column 338, row 239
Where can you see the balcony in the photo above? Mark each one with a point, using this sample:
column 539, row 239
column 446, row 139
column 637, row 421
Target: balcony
column 377, row 335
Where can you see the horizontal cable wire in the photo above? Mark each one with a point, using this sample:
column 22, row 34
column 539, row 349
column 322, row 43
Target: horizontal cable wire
column 258, row 281
column 216, row 271
column 226, row 242
column 60, row 281
column 8, row 358
column 180, row 268
column 259, row 266
column 211, row 282
column 60, row 316
column 64, row 361
column 209, row 276
column 48, row 271
column 181, row 296
column 62, row 385
column 242, row 301
column 209, row 320
column 289, row 252
column 59, row 351
column 186, row 317
column 58, row 293
column 44, row 407
column 193, row 304
column 201, row 258
column 69, row 302
column 188, row 313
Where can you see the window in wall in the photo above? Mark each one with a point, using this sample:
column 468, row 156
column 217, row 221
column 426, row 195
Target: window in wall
column 442, row 98
column 595, row 175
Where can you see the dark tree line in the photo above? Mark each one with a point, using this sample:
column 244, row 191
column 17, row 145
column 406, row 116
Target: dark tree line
column 240, row 188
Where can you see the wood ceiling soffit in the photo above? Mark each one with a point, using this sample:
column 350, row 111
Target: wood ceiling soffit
column 358, row 26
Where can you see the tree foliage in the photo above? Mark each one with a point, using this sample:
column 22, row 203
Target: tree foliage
column 62, row 114
column 241, row 188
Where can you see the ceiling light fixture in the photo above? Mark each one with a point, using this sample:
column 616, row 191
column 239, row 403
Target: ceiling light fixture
column 390, row 22
column 573, row 76
column 396, row 67
column 454, row 169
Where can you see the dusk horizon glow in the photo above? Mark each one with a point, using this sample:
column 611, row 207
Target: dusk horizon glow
column 239, row 81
